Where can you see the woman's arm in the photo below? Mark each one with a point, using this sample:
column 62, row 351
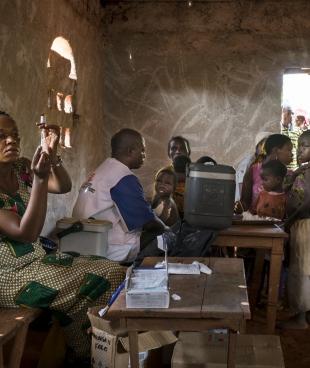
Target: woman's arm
column 59, row 180
column 28, row 227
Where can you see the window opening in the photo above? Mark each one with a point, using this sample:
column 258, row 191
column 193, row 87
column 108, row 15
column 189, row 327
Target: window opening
column 295, row 106
column 62, row 83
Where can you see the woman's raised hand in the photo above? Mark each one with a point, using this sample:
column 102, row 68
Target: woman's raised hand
column 50, row 135
column 41, row 163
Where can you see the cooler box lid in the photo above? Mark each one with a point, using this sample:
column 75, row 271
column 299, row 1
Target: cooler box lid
column 93, row 225
column 221, row 172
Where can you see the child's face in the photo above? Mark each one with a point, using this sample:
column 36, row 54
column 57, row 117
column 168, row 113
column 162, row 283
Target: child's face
column 271, row 182
column 285, row 154
column 164, row 185
column 303, row 151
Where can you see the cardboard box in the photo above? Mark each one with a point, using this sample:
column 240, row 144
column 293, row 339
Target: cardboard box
column 207, row 350
column 110, row 343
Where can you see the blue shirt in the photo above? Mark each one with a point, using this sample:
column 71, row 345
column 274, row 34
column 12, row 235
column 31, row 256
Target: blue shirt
column 128, row 195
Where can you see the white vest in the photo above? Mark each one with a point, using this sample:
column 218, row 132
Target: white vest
column 94, row 200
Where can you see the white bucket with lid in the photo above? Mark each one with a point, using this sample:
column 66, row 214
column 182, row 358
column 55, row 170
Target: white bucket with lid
column 92, row 240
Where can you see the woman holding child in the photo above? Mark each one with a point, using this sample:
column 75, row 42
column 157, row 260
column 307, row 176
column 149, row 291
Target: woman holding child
column 277, row 147
column 298, row 209
column 64, row 284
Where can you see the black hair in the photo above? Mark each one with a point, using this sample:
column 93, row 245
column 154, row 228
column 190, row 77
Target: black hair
column 275, row 141
column 3, row 113
column 305, row 133
column 207, row 160
column 276, row 168
column 168, row 171
column 180, row 162
column 124, row 139
column 181, row 139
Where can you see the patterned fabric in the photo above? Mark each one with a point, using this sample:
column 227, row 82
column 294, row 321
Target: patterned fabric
column 66, row 285
column 293, row 135
column 297, row 194
column 299, row 268
column 271, row 204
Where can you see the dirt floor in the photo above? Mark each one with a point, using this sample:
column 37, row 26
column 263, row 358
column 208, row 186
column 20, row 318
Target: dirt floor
column 295, row 345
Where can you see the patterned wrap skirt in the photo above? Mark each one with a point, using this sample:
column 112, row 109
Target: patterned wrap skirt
column 64, row 284
column 299, row 267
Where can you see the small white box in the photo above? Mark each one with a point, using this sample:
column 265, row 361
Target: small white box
column 147, row 288
column 92, row 240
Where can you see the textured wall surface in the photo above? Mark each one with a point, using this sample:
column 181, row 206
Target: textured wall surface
column 212, row 72
column 27, row 31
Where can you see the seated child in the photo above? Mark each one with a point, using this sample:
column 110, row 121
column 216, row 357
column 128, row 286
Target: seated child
column 179, row 165
column 271, row 201
column 163, row 203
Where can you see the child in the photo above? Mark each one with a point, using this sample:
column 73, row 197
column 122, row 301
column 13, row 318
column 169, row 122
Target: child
column 163, row 203
column 298, row 209
column 255, row 157
column 180, row 163
column 271, row 201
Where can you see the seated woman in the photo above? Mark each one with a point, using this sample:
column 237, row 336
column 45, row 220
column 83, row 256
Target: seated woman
column 64, row 284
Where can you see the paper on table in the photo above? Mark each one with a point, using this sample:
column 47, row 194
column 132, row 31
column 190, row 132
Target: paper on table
column 148, row 279
column 183, row 269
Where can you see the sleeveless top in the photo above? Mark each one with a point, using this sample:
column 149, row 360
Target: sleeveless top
column 14, row 254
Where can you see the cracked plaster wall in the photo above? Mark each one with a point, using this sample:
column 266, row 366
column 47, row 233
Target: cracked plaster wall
column 212, row 73
column 27, row 30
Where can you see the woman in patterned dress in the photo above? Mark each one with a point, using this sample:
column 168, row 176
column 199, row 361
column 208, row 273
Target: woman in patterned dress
column 61, row 283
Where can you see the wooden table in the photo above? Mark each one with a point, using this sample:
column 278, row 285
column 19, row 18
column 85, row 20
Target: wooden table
column 262, row 238
column 207, row 302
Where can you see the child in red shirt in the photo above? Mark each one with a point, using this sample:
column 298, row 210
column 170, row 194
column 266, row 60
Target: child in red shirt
column 271, row 201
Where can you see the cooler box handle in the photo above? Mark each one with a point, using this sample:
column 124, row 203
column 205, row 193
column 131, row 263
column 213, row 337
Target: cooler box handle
column 76, row 227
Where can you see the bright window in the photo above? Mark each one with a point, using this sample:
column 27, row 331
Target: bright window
column 295, row 105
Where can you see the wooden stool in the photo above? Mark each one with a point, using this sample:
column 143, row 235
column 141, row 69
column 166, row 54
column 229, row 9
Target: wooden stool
column 14, row 324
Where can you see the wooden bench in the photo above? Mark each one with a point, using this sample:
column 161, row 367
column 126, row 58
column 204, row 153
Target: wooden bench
column 14, row 323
